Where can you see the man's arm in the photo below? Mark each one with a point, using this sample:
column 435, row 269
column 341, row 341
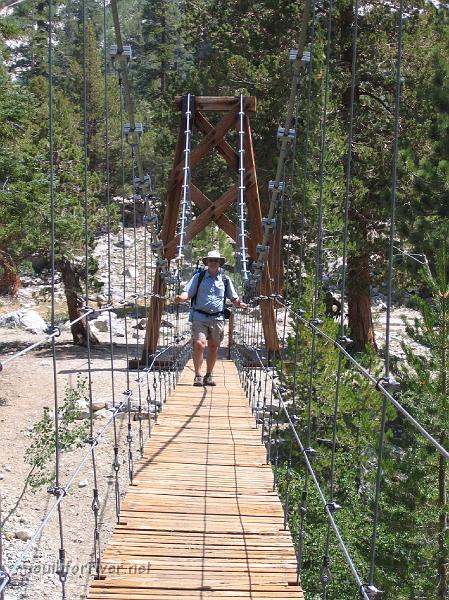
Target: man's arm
column 233, row 296
column 239, row 304
column 188, row 291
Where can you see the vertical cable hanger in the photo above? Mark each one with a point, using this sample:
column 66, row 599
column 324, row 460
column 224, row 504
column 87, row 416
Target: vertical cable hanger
column 388, row 382
column 188, row 110
column 56, row 490
column 116, row 462
column 3, row 573
column 342, row 339
column 91, row 440
column 242, row 192
column 298, row 58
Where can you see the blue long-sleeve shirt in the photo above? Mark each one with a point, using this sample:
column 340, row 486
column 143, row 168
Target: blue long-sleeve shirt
column 210, row 295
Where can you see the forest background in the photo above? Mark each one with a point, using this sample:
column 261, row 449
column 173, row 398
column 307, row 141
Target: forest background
column 212, row 47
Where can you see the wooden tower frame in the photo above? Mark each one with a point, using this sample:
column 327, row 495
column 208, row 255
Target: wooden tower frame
column 213, row 211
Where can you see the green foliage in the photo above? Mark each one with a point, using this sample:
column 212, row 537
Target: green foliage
column 40, row 454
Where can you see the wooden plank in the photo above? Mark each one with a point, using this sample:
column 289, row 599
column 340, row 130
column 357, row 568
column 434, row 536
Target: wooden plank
column 219, row 103
column 202, row 520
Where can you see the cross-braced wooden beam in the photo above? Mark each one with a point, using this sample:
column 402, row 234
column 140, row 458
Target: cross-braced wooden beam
column 213, row 211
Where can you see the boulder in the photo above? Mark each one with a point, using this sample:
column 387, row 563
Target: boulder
column 28, row 319
column 124, row 241
column 131, row 272
column 24, row 534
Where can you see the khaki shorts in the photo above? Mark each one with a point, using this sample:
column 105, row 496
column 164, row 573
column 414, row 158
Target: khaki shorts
column 211, row 330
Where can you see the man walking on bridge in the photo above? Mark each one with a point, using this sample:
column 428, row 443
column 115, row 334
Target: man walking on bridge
column 208, row 290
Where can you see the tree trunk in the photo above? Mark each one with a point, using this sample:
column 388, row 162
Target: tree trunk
column 359, row 277
column 359, row 303
column 72, row 289
column 9, row 279
column 442, row 528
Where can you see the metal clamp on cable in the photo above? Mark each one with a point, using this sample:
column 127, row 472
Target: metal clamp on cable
column 344, row 341
column 284, row 136
column 325, row 573
column 333, row 507
column 133, row 134
column 57, row 491
column 157, row 246
column 120, row 59
column 62, row 571
column 276, row 186
column 268, row 223
column 153, row 218
column 311, row 452
column 316, row 322
column 142, row 184
column 91, row 441
column 370, row 590
column 389, row 384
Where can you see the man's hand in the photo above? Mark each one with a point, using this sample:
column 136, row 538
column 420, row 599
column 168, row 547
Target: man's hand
column 181, row 298
column 239, row 304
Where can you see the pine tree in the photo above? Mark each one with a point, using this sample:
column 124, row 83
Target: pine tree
column 425, row 380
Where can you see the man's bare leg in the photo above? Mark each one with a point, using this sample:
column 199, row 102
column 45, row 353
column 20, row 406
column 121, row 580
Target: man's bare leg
column 198, row 354
column 212, row 350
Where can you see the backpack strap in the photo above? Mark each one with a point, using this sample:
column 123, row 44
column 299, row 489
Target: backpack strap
column 200, row 279
column 226, row 282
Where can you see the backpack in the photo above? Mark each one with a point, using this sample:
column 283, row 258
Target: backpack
column 201, row 275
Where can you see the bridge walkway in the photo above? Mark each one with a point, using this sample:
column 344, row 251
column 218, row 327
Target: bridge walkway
column 201, row 519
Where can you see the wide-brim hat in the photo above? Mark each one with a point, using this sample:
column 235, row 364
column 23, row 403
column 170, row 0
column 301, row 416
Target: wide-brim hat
column 214, row 254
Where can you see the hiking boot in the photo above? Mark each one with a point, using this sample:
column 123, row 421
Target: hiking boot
column 198, row 381
column 208, row 380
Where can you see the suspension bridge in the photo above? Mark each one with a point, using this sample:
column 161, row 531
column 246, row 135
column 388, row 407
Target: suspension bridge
column 201, row 517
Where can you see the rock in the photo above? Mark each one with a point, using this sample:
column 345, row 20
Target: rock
column 124, row 241
column 101, row 413
column 83, row 409
column 102, row 323
column 23, row 534
column 29, row 319
column 131, row 272
column 142, row 324
column 83, row 483
column 164, row 323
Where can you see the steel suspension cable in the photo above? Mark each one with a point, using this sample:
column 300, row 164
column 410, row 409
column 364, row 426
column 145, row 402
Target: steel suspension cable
column 342, row 338
column 127, row 392
column 242, row 193
column 387, row 379
column 56, row 490
column 95, row 499
column 188, row 106
column 116, row 462
column 276, row 186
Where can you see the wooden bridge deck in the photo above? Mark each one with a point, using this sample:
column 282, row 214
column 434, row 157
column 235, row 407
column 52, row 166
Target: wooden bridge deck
column 201, row 520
